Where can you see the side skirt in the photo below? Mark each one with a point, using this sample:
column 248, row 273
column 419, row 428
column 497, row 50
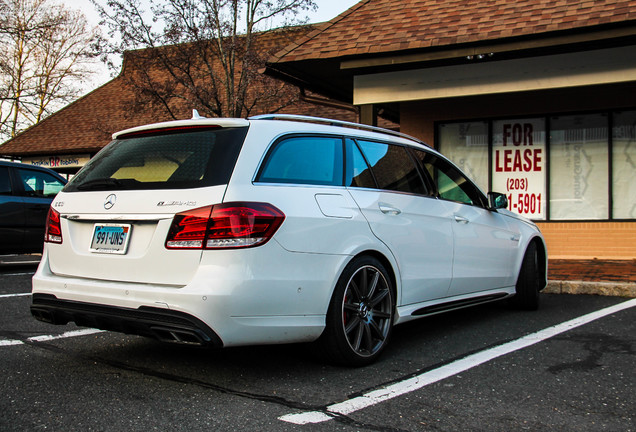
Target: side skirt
column 457, row 304
column 410, row 312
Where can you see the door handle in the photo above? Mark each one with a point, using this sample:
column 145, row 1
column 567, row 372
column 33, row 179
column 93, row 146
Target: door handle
column 387, row 209
column 461, row 220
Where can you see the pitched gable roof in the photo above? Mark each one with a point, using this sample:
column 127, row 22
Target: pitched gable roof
column 381, row 26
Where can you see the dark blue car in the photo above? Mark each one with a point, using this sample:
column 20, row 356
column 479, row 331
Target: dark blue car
column 26, row 193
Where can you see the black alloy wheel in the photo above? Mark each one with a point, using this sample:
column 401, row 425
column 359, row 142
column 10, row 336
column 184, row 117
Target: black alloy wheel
column 360, row 315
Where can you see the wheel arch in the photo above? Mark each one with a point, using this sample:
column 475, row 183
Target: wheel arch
column 348, row 347
column 542, row 259
column 388, row 265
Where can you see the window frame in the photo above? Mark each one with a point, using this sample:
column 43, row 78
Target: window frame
column 430, row 187
column 277, row 142
column 482, row 201
column 425, row 181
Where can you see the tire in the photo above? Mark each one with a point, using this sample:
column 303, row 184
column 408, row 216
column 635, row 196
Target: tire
column 360, row 315
column 529, row 281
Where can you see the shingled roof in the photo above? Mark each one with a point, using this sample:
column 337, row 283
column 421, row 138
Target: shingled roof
column 377, row 36
column 381, row 26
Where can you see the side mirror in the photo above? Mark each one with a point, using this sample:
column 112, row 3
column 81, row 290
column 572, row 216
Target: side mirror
column 497, row 200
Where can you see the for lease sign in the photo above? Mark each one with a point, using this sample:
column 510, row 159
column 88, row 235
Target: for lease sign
column 519, row 165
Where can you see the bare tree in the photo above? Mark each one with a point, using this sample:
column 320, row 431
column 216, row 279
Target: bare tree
column 44, row 51
column 204, row 54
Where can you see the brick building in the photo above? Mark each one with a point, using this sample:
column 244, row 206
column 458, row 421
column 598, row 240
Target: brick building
column 534, row 98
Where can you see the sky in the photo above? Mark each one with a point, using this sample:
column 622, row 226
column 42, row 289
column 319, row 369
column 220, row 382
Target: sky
column 327, row 9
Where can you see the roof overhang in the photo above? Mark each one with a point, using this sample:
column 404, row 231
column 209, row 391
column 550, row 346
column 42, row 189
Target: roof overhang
column 596, row 67
column 338, row 77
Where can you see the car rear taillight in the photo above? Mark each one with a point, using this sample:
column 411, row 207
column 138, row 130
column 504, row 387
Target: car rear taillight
column 221, row 226
column 53, row 232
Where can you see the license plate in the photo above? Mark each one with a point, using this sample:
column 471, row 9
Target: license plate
column 110, row 238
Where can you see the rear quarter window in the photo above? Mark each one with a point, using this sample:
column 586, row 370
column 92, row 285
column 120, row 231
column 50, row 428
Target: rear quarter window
column 304, row 160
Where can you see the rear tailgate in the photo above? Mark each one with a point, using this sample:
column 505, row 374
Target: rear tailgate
column 144, row 217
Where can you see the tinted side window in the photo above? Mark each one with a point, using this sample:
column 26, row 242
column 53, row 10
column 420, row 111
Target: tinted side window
column 392, row 167
column 304, row 160
column 39, row 184
column 451, row 184
column 5, row 182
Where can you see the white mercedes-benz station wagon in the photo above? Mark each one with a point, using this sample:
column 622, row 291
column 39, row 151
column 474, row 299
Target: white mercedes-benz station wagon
column 277, row 229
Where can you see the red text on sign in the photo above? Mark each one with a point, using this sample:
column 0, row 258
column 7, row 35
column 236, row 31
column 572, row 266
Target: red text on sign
column 525, row 203
column 514, row 160
column 518, row 134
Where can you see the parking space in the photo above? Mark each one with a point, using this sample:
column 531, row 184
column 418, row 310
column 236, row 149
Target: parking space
column 67, row 378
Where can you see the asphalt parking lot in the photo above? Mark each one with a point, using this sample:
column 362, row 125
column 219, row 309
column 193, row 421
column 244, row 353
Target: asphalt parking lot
column 488, row 368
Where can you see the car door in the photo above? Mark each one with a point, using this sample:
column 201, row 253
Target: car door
column 483, row 241
column 38, row 190
column 384, row 181
column 11, row 215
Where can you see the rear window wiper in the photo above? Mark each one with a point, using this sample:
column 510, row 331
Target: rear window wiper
column 107, row 184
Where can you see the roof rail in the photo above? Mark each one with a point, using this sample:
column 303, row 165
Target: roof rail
column 332, row 122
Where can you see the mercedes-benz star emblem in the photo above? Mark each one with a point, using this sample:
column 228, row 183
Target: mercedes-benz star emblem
column 110, row 201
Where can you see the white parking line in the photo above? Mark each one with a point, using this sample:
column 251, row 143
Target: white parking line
column 46, row 338
column 74, row 333
column 30, row 273
column 454, row 368
column 14, row 295
column 10, row 342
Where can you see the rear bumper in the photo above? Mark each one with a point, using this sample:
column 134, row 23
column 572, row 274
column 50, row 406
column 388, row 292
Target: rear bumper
column 164, row 325
column 242, row 297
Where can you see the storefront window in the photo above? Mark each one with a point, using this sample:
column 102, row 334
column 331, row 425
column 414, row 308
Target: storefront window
column 466, row 144
column 624, row 166
column 556, row 168
column 579, row 167
column 519, row 165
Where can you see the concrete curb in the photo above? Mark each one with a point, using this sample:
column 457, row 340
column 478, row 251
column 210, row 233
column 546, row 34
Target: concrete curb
column 616, row 289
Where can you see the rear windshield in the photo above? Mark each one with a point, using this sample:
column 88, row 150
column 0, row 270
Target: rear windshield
column 163, row 160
